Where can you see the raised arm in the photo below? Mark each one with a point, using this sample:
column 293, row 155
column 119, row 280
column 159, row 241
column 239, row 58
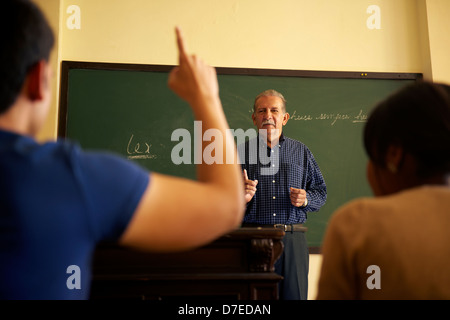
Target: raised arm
column 176, row 213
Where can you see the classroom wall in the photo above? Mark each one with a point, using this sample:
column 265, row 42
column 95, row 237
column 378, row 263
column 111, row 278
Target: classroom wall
column 51, row 10
column 286, row 34
column 439, row 41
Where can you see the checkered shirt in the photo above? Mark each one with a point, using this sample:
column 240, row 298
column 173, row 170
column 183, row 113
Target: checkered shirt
column 291, row 164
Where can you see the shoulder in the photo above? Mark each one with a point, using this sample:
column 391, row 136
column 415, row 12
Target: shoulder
column 293, row 146
column 108, row 164
column 293, row 143
column 364, row 218
column 76, row 154
column 352, row 211
column 45, row 154
column 92, row 165
column 368, row 209
column 369, row 212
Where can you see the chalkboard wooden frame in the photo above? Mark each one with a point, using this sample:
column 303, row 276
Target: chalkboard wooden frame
column 67, row 66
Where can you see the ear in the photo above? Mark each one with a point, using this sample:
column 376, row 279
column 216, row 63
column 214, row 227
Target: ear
column 285, row 118
column 394, row 158
column 37, row 81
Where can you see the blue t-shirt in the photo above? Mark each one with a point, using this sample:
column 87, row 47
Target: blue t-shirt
column 56, row 203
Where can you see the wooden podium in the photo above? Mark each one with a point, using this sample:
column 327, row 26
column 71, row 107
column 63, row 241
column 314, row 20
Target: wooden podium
column 237, row 266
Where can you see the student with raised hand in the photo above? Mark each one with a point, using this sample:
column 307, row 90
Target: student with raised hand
column 58, row 202
column 397, row 245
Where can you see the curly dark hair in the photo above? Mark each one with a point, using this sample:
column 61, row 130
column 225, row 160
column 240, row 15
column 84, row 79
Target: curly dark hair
column 416, row 118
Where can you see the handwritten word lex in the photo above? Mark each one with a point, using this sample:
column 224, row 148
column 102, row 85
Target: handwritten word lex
column 136, row 150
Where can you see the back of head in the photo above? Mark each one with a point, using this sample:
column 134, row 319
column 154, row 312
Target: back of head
column 26, row 39
column 417, row 119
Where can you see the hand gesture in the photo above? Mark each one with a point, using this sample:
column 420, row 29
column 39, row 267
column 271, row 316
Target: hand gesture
column 298, row 197
column 192, row 80
column 250, row 187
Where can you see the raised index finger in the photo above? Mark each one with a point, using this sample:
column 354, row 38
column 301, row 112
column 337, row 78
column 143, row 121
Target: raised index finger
column 180, row 43
column 245, row 174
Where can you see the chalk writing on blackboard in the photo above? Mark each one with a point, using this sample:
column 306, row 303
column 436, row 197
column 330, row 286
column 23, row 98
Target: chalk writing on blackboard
column 137, row 150
column 297, row 117
column 331, row 117
column 361, row 117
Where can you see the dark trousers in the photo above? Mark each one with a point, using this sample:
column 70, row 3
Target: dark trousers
column 293, row 265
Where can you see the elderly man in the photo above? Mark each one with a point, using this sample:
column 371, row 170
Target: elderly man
column 281, row 187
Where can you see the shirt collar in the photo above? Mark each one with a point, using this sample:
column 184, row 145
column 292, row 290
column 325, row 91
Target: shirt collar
column 280, row 140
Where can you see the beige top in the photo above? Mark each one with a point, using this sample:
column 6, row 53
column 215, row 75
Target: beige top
column 406, row 235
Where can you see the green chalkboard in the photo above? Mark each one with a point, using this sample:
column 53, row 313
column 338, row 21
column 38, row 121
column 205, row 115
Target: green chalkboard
column 129, row 110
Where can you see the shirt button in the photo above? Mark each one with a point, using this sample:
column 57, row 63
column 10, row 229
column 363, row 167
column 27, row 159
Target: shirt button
column 273, row 197
column 274, row 214
column 273, row 181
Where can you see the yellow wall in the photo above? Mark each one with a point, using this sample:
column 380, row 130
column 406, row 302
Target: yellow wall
column 438, row 12
column 286, row 34
column 51, row 10
column 283, row 34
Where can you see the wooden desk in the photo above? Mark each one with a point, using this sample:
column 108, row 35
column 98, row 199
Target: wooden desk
column 237, row 266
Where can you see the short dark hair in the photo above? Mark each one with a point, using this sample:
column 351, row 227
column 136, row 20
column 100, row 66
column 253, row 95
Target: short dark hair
column 26, row 39
column 416, row 118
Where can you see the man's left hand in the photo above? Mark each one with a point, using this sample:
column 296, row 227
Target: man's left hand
column 298, row 197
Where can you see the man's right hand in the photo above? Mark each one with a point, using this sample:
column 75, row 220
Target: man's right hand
column 250, row 187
